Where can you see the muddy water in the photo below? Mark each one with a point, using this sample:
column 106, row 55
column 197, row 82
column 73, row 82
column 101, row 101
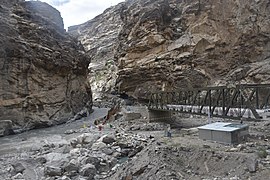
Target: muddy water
column 38, row 137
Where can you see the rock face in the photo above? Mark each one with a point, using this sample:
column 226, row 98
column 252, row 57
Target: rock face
column 43, row 69
column 100, row 39
column 171, row 44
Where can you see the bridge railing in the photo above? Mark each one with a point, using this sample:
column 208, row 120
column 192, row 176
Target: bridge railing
column 240, row 101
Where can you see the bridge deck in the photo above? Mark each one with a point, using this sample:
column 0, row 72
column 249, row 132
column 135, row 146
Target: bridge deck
column 247, row 101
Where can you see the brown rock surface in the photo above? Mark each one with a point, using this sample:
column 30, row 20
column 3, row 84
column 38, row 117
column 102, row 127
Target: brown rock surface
column 43, row 69
column 193, row 43
column 176, row 44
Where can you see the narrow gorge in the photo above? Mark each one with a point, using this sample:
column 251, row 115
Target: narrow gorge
column 75, row 104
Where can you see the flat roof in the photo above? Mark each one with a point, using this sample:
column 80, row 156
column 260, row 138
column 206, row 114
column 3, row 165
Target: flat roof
column 221, row 126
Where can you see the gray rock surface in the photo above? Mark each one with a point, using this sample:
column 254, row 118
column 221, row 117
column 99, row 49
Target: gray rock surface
column 18, row 176
column 72, row 165
column 88, row 170
column 108, row 139
column 18, row 167
column 92, row 160
column 6, row 127
column 99, row 37
column 252, row 165
column 53, row 171
column 98, row 146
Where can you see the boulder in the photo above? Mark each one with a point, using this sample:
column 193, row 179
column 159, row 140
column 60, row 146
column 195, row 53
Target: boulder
column 53, row 171
column 98, row 146
column 70, row 131
column 74, row 142
column 108, row 139
column 117, row 155
column 90, row 139
column 107, row 151
column 104, row 167
column 252, row 165
column 18, row 167
column 92, row 160
column 56, row 159
column 135, row 151
column 41, row 160
column 18, row 176
column 87, row 138
column 84, row 139
column 88, row 170
column 72, row 165
column 75, row 152
column 65, row 178
column 6, row 127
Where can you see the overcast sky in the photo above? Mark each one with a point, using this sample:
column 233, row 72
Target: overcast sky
column 79, row 11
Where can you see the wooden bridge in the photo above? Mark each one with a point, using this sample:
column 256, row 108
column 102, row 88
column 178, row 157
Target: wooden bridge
column 244, row 101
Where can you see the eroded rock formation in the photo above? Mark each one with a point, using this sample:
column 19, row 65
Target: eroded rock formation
column 43, row 69
column 99, row 37
column 170, row 44
column 192, row 43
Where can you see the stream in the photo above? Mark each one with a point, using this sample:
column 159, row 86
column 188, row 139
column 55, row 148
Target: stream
column 25, row 141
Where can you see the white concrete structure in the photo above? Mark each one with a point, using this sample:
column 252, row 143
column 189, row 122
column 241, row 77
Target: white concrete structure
column 227, row 133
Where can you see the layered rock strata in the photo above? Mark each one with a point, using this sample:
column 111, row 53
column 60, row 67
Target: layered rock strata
column 43, row 69
column 171, row 44
column 179, row 44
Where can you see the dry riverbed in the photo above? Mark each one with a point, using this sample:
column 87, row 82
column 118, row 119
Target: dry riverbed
column 130, row 150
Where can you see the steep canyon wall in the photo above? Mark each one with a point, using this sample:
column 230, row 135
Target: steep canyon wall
column 171, row 44
column 43, row 69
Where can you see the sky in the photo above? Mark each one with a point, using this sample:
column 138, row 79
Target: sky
column 76, row 12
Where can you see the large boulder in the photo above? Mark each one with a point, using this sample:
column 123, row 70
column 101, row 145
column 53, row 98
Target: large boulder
column 43, row 69
column 5, row 127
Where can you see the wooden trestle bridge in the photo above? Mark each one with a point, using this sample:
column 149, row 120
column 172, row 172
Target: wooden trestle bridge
column 244, row 101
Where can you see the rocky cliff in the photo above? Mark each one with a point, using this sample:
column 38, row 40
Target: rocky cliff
column 43, row 69
column 99, row 37
column 171, row 44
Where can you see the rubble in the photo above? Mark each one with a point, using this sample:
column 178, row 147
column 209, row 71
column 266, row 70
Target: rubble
column 120, row 152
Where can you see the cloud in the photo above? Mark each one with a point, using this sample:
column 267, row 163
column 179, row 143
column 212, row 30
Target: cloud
column 79, row 11
column 56, row 2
